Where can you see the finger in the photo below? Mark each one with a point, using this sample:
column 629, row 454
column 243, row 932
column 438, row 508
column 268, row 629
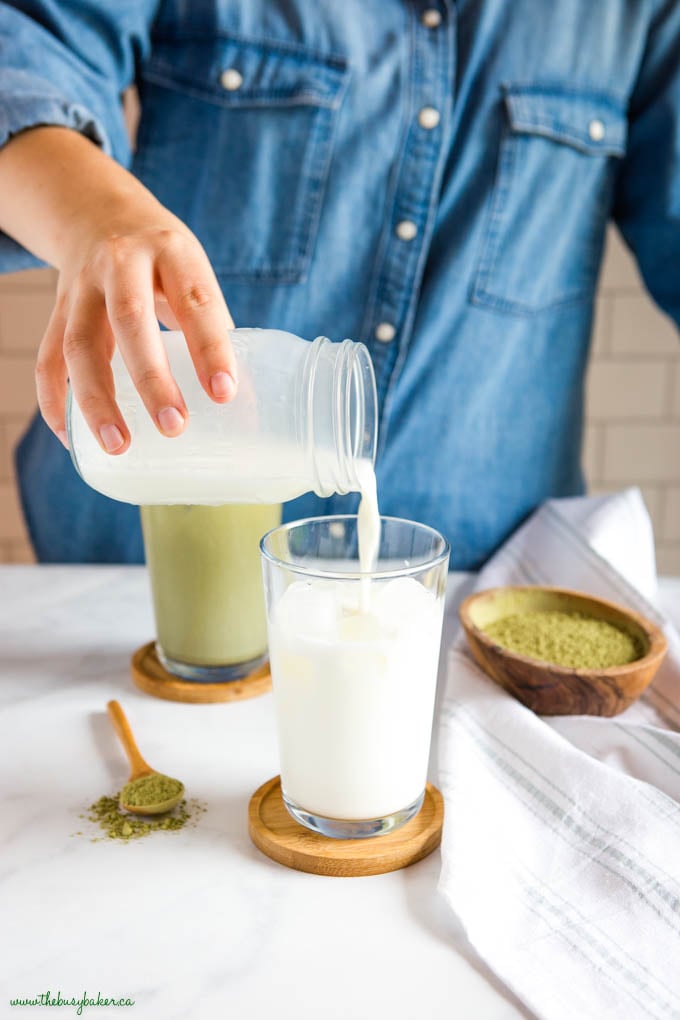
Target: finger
column 192, row 291
column 88, row 346
column 130, row 306
column 51, row 376
column 164, row 312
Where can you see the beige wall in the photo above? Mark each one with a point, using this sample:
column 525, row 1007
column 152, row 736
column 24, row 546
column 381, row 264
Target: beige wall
column 633, row 414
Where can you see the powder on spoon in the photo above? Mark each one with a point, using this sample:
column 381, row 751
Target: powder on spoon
column 150, row 791
column 574, row 640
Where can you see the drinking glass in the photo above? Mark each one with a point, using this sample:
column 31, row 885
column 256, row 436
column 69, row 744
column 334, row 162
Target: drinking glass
column 354, row 662
column 206, row 584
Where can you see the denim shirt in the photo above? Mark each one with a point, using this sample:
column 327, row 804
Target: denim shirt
column 432, row 178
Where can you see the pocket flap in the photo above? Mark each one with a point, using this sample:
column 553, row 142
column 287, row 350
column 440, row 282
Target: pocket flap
column 257, row 73
column 591, row 122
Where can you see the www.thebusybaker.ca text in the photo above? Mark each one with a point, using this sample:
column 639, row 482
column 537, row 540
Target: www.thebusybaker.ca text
column 48, row 999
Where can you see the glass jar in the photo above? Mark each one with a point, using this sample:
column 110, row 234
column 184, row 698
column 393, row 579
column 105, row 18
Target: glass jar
column 304, row 415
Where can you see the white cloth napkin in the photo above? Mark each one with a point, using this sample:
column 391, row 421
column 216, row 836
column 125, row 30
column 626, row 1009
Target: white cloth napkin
column 561, row 845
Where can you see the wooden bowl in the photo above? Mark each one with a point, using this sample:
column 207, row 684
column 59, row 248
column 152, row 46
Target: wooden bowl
column 559, row 690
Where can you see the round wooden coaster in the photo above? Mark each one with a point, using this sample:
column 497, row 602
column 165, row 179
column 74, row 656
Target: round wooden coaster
column 150, row 676
column 280, row 837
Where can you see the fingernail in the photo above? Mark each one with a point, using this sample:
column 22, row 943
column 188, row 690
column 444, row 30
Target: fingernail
column 112, row 438
column 170, row 421
column 63, row 437
column 222, row 384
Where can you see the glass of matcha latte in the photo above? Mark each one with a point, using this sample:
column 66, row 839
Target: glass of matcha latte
column 206, row 583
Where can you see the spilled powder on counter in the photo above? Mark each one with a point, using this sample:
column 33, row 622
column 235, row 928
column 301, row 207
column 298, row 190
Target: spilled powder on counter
column 118, row 824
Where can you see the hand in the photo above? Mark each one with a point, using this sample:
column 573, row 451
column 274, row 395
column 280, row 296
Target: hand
column 115, row 282
column 124, row 261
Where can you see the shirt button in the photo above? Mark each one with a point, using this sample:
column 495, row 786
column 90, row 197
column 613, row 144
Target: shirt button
column 428, row 117
column 596, row 130
column 406, row 230
column 431, row 18
column 385, row 332
column 231, row 79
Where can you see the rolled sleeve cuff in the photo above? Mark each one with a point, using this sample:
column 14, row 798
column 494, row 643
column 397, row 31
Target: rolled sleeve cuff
column 22, row 112
column 28, row 110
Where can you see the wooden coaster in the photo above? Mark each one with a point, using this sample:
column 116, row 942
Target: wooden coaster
column 150, row 676
column 280, row 837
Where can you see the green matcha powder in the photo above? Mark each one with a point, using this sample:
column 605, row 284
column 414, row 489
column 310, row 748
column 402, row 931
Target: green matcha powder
column 565, row 639
column 114, row 823
column 150, row 790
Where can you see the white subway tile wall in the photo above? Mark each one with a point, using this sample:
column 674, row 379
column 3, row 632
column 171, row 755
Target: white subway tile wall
column 633, row 400
column 26, row 301
column 632, row 434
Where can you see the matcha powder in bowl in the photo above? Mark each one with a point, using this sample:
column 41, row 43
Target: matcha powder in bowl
column 572, row 639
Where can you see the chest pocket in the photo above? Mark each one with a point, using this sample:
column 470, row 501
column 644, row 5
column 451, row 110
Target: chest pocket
column 545, row 229
column 235, row 138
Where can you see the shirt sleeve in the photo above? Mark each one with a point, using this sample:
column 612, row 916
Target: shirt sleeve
column 67, row 65
column 647, row 202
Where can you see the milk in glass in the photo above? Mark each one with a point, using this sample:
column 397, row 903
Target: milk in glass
column 354, row 667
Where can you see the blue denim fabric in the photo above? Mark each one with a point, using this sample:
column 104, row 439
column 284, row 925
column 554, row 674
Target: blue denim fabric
column 553, row 119
column 66, row 517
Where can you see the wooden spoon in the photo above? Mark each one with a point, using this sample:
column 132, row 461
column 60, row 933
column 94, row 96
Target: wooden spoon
column 140, row 768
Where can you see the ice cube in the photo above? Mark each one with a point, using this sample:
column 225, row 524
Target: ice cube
column 358, row 626
column 308, row 609
column 403, row 604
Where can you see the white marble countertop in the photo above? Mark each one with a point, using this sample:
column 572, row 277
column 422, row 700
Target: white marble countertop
column 196, row 923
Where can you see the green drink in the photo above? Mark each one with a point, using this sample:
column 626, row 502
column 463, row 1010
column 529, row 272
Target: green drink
column 206, row 582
